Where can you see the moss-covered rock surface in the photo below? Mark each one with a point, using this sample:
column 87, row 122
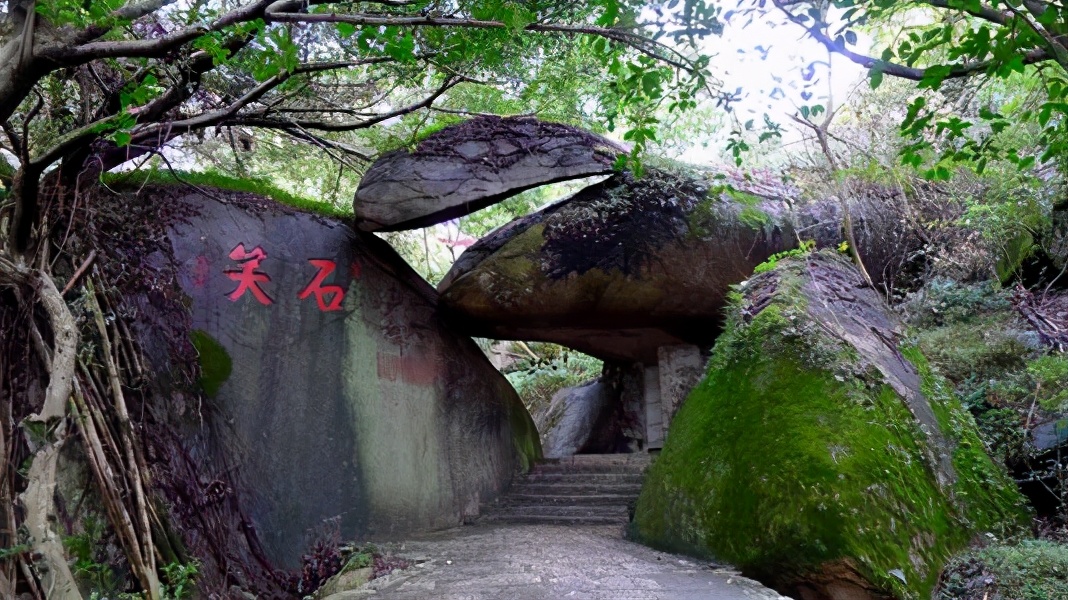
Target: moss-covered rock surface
column 819, row 454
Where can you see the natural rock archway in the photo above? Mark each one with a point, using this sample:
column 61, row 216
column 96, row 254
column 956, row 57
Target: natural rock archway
column 629, row 265
column 630, row 269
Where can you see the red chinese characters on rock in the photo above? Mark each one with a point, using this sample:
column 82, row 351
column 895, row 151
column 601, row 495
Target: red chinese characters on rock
column 335, row 292
column 249, row 277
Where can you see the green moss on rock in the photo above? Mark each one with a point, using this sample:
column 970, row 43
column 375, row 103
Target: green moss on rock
column 793, row 455
column 215, row 363
column 138, row 179
column 525, row 435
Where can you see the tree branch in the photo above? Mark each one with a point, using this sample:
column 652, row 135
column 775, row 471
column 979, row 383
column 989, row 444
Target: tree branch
column 262, row 121
column 633, row 40
column 66, row 55
column 1060, row 55
column 898, row 70
column 984, row 12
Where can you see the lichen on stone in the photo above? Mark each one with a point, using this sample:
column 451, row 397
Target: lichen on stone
column 621, row 223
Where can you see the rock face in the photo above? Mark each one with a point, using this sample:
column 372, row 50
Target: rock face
column 820, row 455
column 625, row 266
column 585, row 419
column 340, row 397
column 467, row 167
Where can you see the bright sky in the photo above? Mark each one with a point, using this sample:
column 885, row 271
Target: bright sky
column 778, row 68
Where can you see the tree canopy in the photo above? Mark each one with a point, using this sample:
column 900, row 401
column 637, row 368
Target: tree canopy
column 86, row 86
column 979, row 68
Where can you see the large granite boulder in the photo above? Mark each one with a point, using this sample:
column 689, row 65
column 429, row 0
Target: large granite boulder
column 820, row 454
column 339, row 397
column 628, row 265
column 584, row 419
column 470, row 166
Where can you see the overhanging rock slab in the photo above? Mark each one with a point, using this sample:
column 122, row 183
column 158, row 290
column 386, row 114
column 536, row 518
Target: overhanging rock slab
column 475, row 164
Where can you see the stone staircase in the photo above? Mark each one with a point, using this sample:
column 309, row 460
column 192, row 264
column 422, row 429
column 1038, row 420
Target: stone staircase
column 585, row 489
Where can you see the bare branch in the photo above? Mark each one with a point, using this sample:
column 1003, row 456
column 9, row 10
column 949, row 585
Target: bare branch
column 640, row 43
column 259, row 121
column 13, row 137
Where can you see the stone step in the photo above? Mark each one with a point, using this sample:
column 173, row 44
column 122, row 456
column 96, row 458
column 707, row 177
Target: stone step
column 515, row 499
column 587, row 478
column 590, row 489
column 619, row 512
column 595, row 463
column 574, row 489
column 552, row 520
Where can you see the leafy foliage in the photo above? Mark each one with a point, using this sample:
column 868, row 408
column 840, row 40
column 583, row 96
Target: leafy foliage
column 90, row 562
column 180, row 580
column 1029, row 570
column 549, row 369
column 1009, row 47
column 806, row 247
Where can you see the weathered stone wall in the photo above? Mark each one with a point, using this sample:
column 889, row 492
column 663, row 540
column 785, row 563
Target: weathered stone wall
column 679, row 368
column 356, row 406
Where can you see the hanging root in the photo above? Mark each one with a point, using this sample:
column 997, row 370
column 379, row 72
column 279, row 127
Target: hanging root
column 133, row 525
column 50, row 424
column 101, row 417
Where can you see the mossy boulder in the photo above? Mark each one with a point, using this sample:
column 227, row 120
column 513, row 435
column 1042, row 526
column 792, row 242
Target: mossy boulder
column 631, row 264
column 820, row 454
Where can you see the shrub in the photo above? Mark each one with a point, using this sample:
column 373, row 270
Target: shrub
column 555, row 367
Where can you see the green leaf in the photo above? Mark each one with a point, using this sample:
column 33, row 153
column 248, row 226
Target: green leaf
column 346, row 29
column 875, row 77
column 600, row 46
column 514, row 15
column 403, row 48
column 610, row 15
column 933, row 77
column 122, row 138
column 651, row 84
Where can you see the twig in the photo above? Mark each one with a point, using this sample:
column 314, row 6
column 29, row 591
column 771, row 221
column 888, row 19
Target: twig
column 81, row 271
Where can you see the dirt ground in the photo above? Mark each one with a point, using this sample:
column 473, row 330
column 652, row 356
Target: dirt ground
column 535, row 562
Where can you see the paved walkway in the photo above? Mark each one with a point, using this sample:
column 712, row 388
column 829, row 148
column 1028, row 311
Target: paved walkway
column 550, row 562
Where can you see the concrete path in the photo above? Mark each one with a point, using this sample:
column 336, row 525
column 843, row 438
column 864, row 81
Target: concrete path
column 550, row 562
